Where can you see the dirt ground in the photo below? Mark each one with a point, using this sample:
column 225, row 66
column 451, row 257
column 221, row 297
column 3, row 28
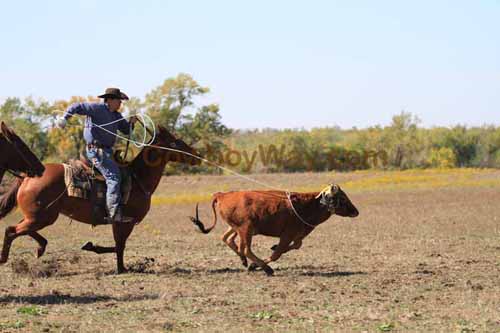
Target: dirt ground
column 416, row 259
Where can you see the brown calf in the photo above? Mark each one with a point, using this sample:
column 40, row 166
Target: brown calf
column 289, row 216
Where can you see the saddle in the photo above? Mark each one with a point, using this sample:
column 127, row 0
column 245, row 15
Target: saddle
column 86, row 166
column 86, row 182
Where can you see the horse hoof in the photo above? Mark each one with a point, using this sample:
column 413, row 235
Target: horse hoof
column 40, row 251
column 253, row 267
column 269, row 271
column 121, row 271
column 244, row 262
column 88, row 246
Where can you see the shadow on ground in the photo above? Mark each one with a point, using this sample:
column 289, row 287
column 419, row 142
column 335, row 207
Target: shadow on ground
column 331, row 274
column 69, row 299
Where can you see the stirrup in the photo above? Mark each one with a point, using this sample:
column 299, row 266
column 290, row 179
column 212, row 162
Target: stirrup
column 119, row 218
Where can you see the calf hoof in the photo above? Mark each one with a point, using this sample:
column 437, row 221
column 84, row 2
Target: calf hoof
column 253, row 267
column 274, row 247
column 269, row 271
column 88, row 246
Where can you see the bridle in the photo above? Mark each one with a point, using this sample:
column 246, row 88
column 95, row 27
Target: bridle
column 15, row 173
column 332, row 202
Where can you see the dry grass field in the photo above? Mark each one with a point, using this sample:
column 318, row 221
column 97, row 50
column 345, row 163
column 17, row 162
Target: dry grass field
column 424, row 255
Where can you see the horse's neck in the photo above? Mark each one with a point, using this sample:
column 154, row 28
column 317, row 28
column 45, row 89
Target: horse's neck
column 148, row 176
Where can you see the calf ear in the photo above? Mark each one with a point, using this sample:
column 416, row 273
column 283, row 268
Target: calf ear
column 327, row 189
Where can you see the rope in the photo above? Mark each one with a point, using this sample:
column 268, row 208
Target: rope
column 297, row 214
column 149, row 144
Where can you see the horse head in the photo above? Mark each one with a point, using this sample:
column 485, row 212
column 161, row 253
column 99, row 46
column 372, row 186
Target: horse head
column 176, row 149
column 16, row 155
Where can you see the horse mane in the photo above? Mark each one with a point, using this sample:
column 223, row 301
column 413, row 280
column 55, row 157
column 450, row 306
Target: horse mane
column 13, row 139
column 11, row 136
column 9, row 133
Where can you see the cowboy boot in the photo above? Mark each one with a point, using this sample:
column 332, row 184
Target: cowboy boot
column 119, row 218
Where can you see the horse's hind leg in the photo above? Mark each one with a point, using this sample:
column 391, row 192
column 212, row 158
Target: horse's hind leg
column 42, row 243
column 10, row 235
column 24, row 227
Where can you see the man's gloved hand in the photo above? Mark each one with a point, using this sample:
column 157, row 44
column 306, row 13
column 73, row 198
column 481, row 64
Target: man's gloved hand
column 133, row 120
column 61, row 122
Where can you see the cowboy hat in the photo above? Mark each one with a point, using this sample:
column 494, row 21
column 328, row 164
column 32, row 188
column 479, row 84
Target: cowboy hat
column 113, row 93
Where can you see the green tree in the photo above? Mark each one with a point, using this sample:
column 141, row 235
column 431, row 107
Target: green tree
column 403, row 141
column 166, row 103
column 28, row 119
column 442, row 158
column 173, row 105
column 464, row 144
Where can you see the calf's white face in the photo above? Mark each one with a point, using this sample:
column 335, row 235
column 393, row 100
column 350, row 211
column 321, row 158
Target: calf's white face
column 337, row 201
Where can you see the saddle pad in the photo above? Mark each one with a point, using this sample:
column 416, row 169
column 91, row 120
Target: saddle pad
column 79, row 184
column 77, row 187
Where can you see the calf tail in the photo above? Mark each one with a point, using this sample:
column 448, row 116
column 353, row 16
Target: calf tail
column 9, row 199
column 199, row 224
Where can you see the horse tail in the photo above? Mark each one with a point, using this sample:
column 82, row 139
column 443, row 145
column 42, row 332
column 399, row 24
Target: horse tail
column 199, row 224
column 9, row 199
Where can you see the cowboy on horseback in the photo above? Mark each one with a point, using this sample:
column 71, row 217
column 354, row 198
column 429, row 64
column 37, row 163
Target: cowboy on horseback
column 102, row 122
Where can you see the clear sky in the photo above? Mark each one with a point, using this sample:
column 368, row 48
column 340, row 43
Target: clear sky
column 268, row 63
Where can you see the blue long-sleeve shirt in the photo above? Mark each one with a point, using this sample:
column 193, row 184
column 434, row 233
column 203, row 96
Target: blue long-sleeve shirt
column 99, row 113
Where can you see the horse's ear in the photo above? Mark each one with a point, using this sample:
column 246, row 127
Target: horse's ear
column 335, row 188
column 6, row 131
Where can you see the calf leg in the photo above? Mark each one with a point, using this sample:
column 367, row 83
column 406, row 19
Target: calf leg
column 279, row 249
column 294, row 246
column 246, row 245
column 228, row 238
column 283, row 247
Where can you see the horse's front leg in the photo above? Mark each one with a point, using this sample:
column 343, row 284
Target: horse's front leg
column 89, row 246
column 121, row 232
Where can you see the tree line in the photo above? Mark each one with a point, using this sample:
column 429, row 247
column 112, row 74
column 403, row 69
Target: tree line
column 403, row 144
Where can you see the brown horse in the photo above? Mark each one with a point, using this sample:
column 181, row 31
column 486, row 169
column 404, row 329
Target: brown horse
column 41, row 200
column 16, row 157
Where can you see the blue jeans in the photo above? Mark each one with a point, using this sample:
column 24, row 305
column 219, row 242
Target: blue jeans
column 102, row 158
